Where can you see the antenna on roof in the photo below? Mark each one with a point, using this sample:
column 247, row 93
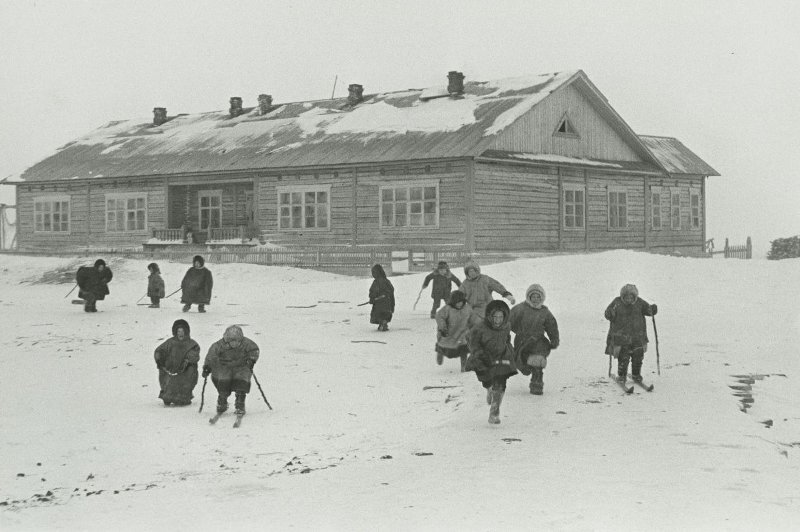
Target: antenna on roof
column 334, row 85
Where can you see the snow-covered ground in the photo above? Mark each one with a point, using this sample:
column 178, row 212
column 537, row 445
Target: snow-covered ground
column 368, row 433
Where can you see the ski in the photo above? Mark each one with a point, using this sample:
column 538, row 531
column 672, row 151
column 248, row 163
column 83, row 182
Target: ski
column 647, row 387
column 238, row 421
column 622, row 385
column 215, row 418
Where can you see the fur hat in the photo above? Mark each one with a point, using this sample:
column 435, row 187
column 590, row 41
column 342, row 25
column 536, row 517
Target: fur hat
column 457, row 297
column 99, row 262
column 629, row 289
column 471, row 266
column 233, row 334
column 534, row 288
column 180, row 324
column 442, row 264
column 198, row 258
column 494, row 306
column 153, row 267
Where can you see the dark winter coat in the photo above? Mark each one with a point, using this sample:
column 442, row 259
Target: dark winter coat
column 177, row 369
column 441, row 284
column 196, row 286
column 92, row 281
column 490, row 347
column 628, row 327
column 536, row 333
column 155, row 285
column 230, row 363
column 381, row 295
column 455, row 323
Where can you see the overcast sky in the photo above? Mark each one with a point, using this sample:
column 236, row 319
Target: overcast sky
column 721, row 76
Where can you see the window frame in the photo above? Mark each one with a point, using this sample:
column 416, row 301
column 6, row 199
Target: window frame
column 302, row 190
column 572, row 133
column 51, row 199
column 125, row 196
column 695, row 218
column 617, row 190
column 208, row 193
column 408, row 185
column 656, row 208
column 675, row 192
column 573, row 187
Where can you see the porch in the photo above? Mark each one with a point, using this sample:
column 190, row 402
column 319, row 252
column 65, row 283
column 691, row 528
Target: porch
column 209, row 213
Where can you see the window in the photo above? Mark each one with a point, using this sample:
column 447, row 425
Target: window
column 304, row 207
column 617, row 209
column 675, row 208
column 410, row 205
column 574, row 207
column 125, row 212
column 694, row 205
column 655, row 207
column 565, row 128
column 210, row 214
column 51, row 215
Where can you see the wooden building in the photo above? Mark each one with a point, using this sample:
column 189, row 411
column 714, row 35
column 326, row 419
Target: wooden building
column 538, row 163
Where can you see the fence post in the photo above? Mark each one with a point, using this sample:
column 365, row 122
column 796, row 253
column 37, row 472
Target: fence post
column 749, row 248
column 727, row 251
column 410, row 260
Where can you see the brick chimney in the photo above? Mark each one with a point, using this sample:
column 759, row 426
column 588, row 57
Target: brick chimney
column 455, row 83
column 264, row 103
column 356, row 93
column 159, row 115
column 236, row 107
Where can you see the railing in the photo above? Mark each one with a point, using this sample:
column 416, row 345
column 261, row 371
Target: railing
column 744, row 251
column 169, row 235
column 226, row 233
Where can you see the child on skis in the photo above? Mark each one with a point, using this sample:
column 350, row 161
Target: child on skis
column 478, row 289
column 491, row 353
column 176, row 360
column 452, row 325
column 627, row 331
column 155, row 285
column 442, row 279
column 381, row 296
column 230, row 363
column 535, row 334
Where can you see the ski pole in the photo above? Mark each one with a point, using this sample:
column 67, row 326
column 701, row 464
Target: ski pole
column 260, row 390
column 418, row 296
column 368, row 302
column 658, row 357
column 203, row 393
column 137, row 301
column 73, row 289
column 175, row 292
column 609, row 365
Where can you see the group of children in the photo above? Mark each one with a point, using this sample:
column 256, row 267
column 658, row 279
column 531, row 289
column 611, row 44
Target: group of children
column 229, row 362
column 196, row 285
column 476, row 329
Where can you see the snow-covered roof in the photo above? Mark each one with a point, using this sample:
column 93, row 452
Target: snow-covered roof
column 675, row 157
column 406, row 125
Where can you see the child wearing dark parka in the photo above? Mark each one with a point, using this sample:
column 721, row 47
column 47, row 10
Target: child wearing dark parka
column 491, row 355
column 627, row 331
column 176, row 360
column 452, row 326
column 155, row 285
column 381, row 296
column 442, row 279
column 535, row 335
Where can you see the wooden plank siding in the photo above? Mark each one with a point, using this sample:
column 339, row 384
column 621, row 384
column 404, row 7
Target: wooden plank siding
column 533, row 132
column 359, row 224
column 88, row 214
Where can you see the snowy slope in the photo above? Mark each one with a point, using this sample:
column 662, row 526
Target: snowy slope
column 356, row 442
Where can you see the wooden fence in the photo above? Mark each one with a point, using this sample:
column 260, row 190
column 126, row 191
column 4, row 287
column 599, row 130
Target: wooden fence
column 351, row 261
column 744, row 251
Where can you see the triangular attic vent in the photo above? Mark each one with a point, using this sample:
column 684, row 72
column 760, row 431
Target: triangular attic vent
column 565, row 128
